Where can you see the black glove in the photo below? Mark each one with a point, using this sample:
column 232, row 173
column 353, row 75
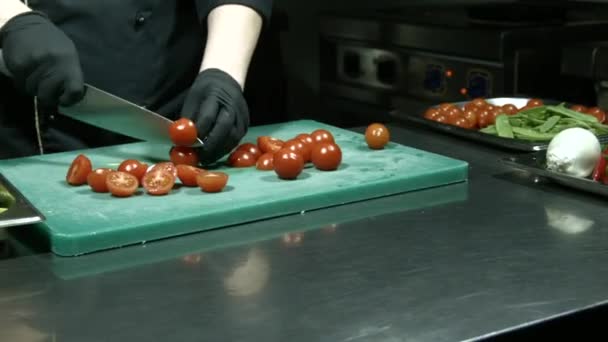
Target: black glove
column 216, row 104
column 42, row 59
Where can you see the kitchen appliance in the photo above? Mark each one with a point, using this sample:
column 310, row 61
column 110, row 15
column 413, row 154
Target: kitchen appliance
column 414, row 57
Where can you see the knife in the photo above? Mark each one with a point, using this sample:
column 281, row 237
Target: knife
column 110, row 112
column 15, row 209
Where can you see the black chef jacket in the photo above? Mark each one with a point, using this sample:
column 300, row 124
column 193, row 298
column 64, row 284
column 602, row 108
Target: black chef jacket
column 146, row 51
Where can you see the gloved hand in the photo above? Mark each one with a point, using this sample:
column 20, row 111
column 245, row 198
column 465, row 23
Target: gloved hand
column 42, row 59
column 216, row 105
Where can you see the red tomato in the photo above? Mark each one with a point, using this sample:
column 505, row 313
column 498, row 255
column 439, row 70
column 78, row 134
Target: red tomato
column 79, row 170
column 472, row 116
column 288, row 164
column 599, row 114
column 321, row 135
column 483, row 120
column 121, row 184
column 183, row 132
column 579, row 108
column 463, row 123
column 165, row 166
column 534, row 103
column 432, row 113
column 477, row 103
column 306, row 139
column 453, row 115
column 326, row 156
column 183, row 155
column 269, row 144
column 241, row 158
column 445, row 108
column 187, row 174
column 299, row 147
column 97, row 179
column 253, row 149
column 134, row 167
column 442, row 119
column 509, row 109
column 158, row 182
column 265, row 163
column 212, row 181
column 377, row 136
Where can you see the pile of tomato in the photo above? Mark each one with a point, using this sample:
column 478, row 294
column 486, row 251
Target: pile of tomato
column 478, row 113
column 287, row 158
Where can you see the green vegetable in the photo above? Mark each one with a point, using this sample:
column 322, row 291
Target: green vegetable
column 503, row 127
column 6, row 199
column 543, row 123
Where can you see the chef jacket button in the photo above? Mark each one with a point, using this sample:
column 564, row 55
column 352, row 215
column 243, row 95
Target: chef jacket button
column 140, row 19
column 52, row 117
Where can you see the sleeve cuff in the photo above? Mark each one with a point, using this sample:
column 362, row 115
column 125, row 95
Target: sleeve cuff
column 263, row 7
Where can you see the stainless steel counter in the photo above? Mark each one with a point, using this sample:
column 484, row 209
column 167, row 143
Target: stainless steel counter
column 454, row 263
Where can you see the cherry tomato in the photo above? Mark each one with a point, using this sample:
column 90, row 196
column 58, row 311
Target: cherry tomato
column 579, row 108
column 472, row 116
column 490, row 108
column 463, row 123
column 479, row 103
column 599, row 114
column 183, row 132
column 445, row 108
column 79, row 170
column 483, row 120
column 253, row 149
column 158, row 182
column 212, row 181
column 377, row 136
column 321, row 135
column 241, row 158
column 298, row 146
column 306, row 139
column 184, row 155
column 326, row 156
column 534, row 103
column 97, row 179
column 269, row 144
column 432, row 113
column 187, row 174
column 134, row 167
column 288, row 164
column 509, row 109
column 454, row 114
column 442, row 119
column 524, row 108
column 121, row 184
column 165, row 166
column 265, row 162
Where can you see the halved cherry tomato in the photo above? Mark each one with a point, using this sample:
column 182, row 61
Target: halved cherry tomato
column 326, row 156
column 299, row 147
column 134, row 167
column 288, row 164
column 322, row 135
column 579, row 108
column 183, row 155
column 252, row 149
column 212, row 181
column 79, row 170
column 165, row 166
column 97, row 179
column 183, row 132
column 377, row 136
column 241, row 158
column 269, row 144
column 265, row 162
column 187, row 174
column 599, row 114
column 121, row 184
column 159, row 182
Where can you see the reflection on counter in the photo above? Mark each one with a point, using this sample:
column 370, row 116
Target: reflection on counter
column 250, row 277
column 292, row 239
column 567, row 221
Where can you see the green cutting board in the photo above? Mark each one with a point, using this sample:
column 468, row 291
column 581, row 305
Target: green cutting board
column 80, row 221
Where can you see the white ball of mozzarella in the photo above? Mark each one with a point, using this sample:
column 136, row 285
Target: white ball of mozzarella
column 573, row 151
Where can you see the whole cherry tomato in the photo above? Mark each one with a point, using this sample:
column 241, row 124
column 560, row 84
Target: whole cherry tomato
column 298, row 146
column 97, row 179
column 241, row 158
column 183, row 155
column 322, row 135
column 265, row 162
column 253, row 149
column 269, row 144
column 326, row 156
column 599, row 114
column 377, row 136
column 134, row 167
column 183, row 132
column 288, row 164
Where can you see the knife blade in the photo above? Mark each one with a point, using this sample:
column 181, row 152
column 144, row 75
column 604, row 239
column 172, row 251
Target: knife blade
column 15, row 209
column 102, row 109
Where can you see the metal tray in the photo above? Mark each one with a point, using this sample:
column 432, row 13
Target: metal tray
column 20, row 211
column 535, row 163
column 474, row 135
